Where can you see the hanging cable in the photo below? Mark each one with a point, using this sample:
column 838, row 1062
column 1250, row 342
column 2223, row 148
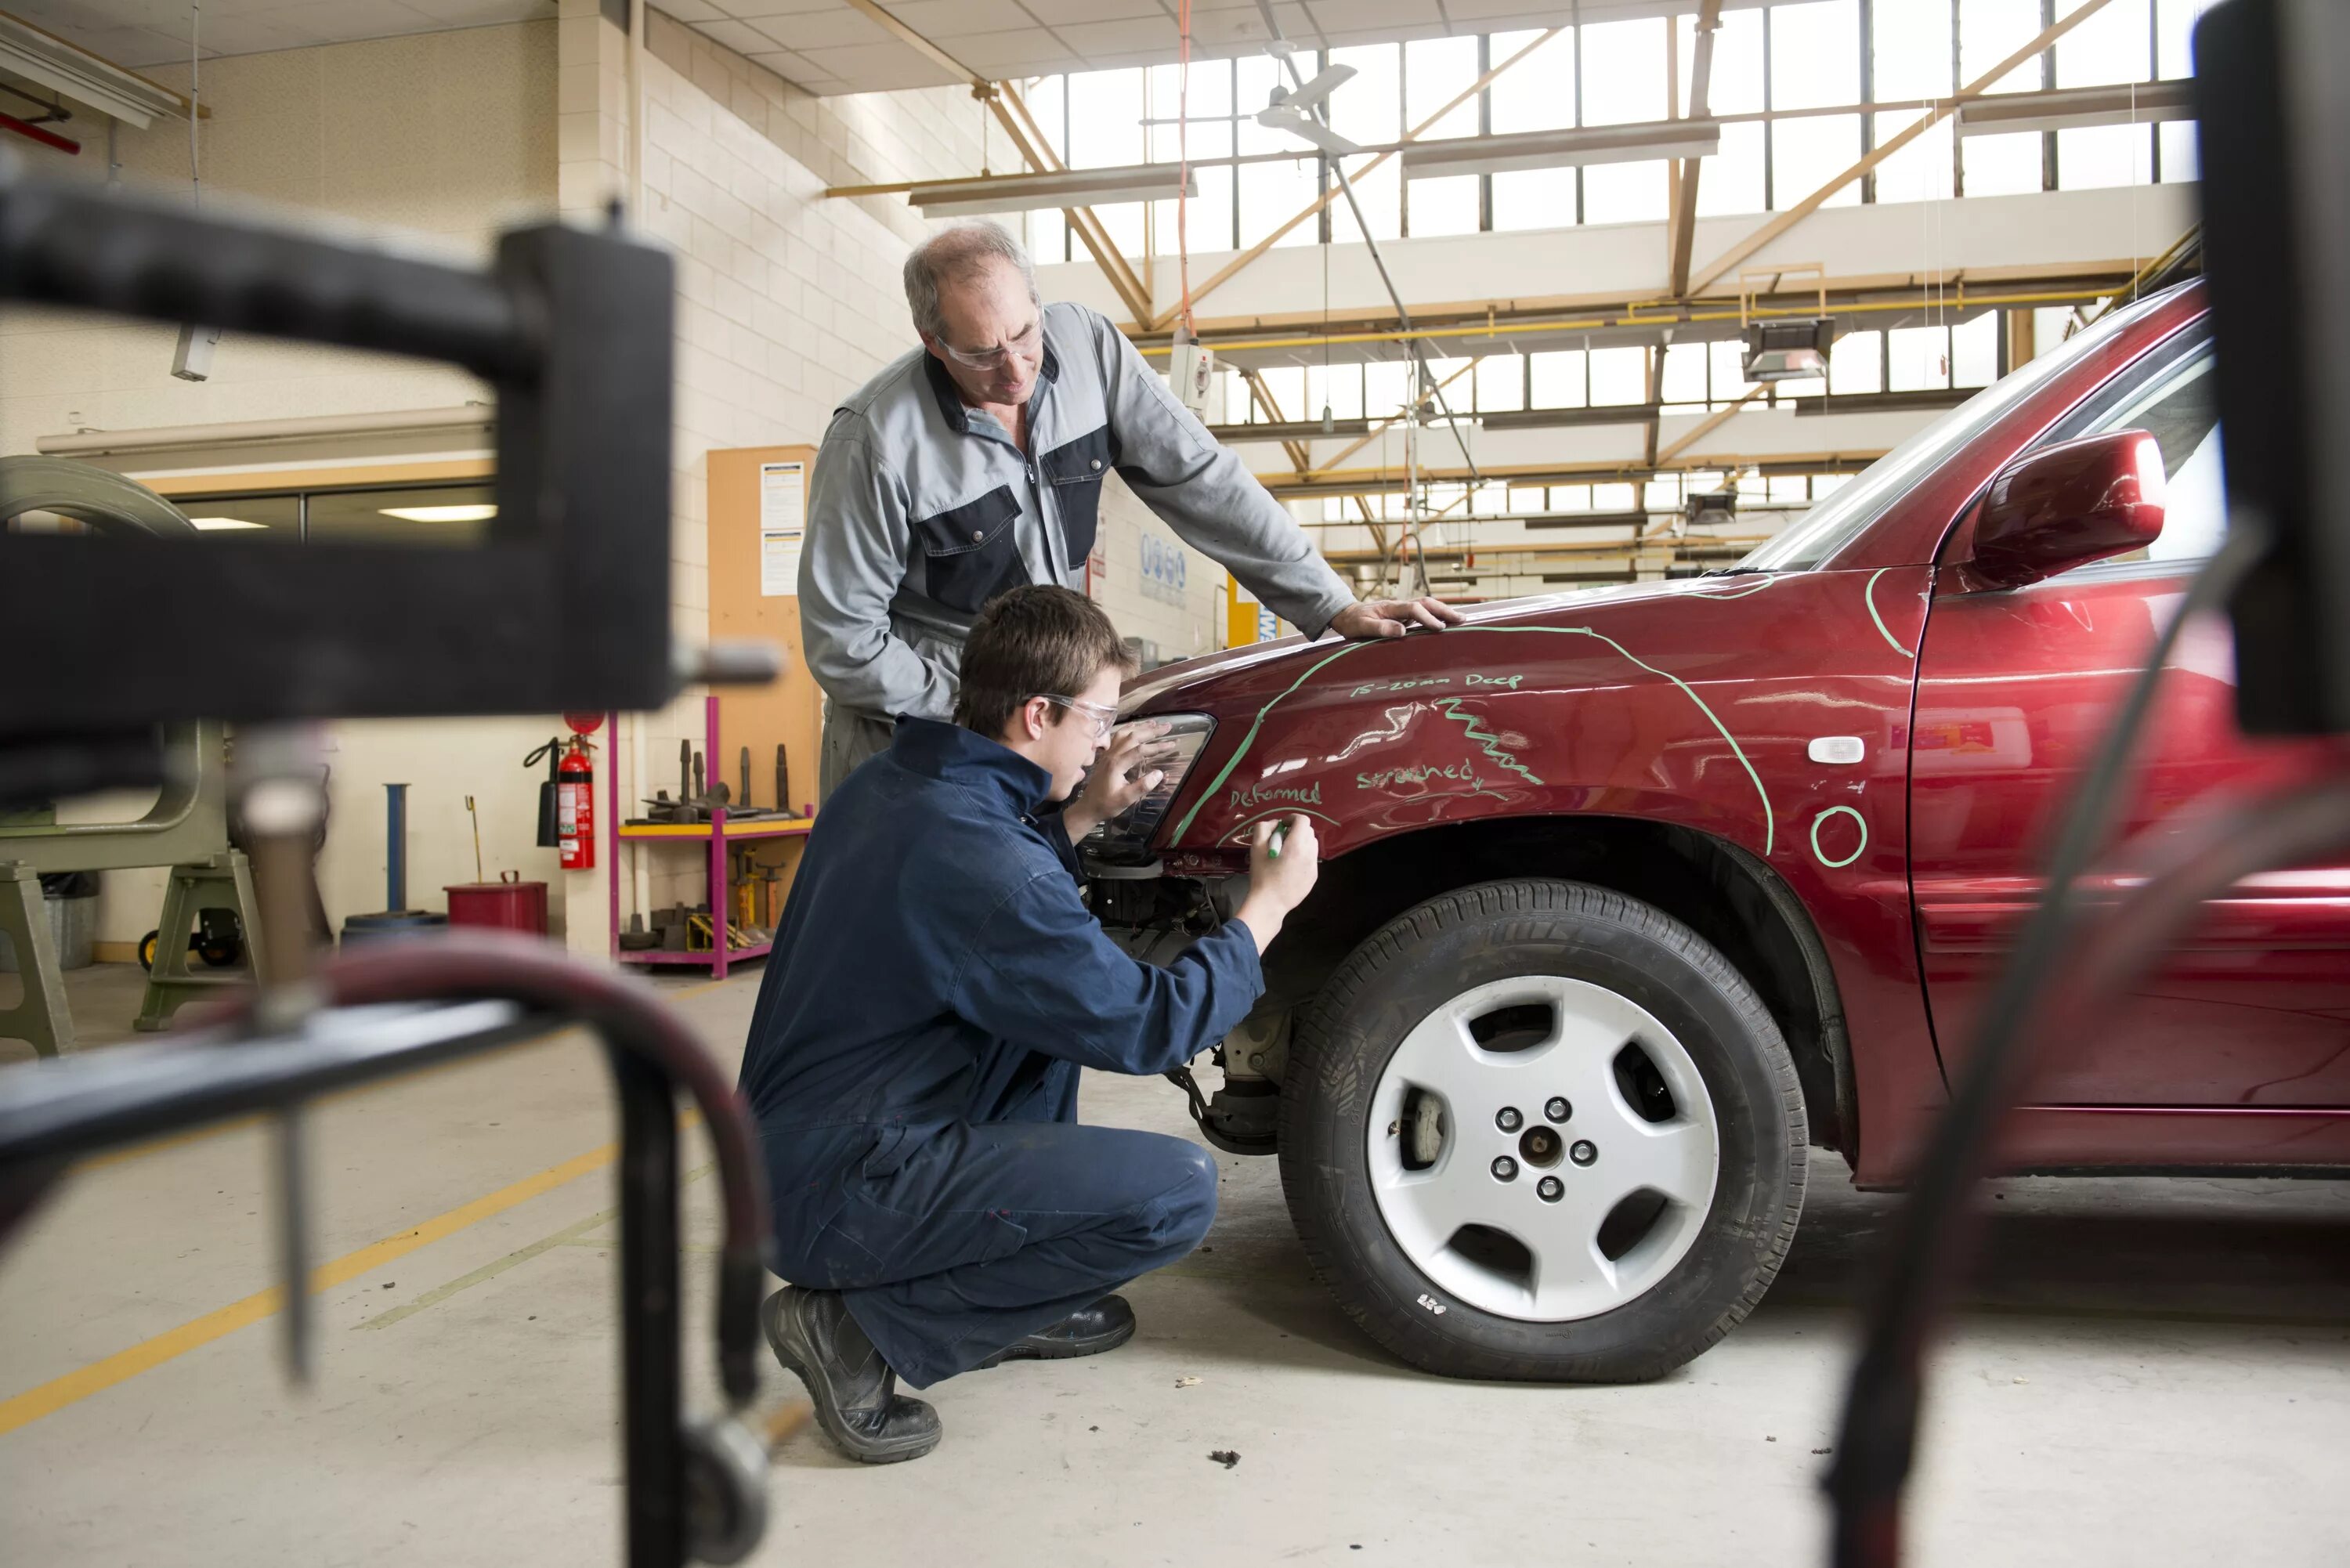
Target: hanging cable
column 195, row 66
column 1183, row 158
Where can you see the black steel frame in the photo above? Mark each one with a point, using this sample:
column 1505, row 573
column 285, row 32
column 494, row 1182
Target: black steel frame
column 566, row 606
column 492, row 993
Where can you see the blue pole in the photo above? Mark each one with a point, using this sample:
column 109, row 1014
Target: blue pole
column 395, row 878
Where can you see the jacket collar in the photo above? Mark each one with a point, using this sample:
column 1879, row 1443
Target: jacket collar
column 953, row 754
column 950, row 400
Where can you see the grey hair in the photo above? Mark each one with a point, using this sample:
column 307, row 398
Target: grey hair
column 952, row 255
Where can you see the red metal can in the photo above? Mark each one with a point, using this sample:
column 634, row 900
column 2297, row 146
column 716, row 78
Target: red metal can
column 508, row 904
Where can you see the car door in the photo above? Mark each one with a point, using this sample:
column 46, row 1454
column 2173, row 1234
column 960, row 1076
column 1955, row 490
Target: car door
column 2015, row 688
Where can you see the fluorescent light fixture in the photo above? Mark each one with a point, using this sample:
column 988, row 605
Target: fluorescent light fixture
column 1063, row 188
column 476, row 514
column 85, row 78
column 2070, row 109
column 1634, row 144
column 217, row 525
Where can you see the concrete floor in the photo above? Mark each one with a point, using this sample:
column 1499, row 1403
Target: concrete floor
column 2159, row 1372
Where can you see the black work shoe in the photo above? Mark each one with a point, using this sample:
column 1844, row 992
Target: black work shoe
column 1088, row 1331
column 856, row 1393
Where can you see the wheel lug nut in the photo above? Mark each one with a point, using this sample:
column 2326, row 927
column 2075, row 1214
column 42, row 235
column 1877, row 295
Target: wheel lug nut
column 1551, row 1188
column 1584, row 1151
column 1557, row 1108
column 1508, row 1119
column 1506, row 1168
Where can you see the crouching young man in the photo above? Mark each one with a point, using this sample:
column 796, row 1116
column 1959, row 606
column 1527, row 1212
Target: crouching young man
column 936, row 985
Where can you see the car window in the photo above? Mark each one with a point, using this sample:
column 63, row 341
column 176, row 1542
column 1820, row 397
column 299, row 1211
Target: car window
column 2172, row 396
column 1835, row 522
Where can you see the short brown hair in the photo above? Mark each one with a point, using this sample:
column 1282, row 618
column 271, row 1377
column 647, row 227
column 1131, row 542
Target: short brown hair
column 1034, row 641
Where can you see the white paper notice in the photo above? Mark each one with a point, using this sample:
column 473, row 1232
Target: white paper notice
column 783, row 517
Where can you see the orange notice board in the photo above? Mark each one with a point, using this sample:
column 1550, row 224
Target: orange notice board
column 758, row 510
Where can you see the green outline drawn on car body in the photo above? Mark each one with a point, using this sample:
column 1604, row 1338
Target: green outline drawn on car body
column 1217, row 782
column 1770, row 821
column 1285, row 813
column 1490, row 742
column 1821, row 856
column 1870, row 593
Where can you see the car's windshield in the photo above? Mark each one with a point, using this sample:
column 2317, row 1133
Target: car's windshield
column 1836, row 521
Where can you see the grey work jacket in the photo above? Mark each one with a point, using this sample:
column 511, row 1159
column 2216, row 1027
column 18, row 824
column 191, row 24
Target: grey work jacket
column 921, row 510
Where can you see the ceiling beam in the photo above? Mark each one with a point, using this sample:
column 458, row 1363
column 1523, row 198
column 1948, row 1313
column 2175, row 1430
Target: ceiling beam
column 1386, row 481
column 1933, row 116
column 1683, row 231
column 1242, row 262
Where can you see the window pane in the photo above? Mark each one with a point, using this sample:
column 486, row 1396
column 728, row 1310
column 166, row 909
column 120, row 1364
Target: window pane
column 1286, row 383
column 2100, row 156
column 1612, row 498
column 1445, row 207
column 1501, row 383
column 1623, row 72
column 1619, row 375
column 1732, row 180
column 1974, row 351
column 1570, row 498
column 1122, row 221
column 1044, row 98
column 1815, row 54
column 1381, row 193
column 1729, row 381
column 1048, row 236
column 1989, row 31
column 1920, row 359
column 1366, row 109
column 1536, row 199
column 2178, row 152
column 2111, row 46
column 1786, row 489
column 1524, row 502
column 1855, row 364
column 442, row 514
column 1538, row 92
column 1342, row 387
column 1436, row 71
column 1271, row 194
column 1386, row 385
column 1807, row 154
column 2175, row 25
column 2001, row 165
column 1105, row 122
column 1558, row 378
column 1683, row 380
column 1911, row 41
column 1736, row 86
column 1919, row 171
column 277, row 517
column 1625, row 192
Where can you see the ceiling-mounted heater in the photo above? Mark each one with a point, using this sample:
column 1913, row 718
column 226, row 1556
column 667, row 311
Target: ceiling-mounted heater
column 1787, row 348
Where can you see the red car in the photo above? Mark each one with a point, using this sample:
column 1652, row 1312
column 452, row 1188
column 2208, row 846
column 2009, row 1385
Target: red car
column 1632, row 895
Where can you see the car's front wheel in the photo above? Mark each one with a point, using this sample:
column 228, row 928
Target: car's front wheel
column 1534, row 1129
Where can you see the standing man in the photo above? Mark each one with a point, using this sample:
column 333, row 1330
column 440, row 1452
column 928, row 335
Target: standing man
column 975, row 464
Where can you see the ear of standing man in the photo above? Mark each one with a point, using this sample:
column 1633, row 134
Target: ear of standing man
column 976, row 464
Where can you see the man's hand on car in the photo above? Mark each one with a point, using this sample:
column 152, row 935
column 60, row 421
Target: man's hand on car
column 1121, row 775
column 1283, row 861
column 1372, row 619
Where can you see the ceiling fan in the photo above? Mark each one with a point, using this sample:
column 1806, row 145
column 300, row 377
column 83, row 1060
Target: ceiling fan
column 1295, row 109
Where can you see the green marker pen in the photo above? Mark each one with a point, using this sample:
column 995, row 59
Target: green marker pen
column 1279, row 833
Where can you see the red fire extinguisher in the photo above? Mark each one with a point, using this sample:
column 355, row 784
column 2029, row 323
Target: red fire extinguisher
column 575, row 807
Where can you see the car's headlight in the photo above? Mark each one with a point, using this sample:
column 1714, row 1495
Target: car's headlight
column 1127, row 838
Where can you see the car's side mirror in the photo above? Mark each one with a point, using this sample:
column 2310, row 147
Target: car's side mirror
column 2068, row 504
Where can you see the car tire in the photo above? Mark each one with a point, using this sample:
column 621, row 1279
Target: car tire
column 1469, row 1307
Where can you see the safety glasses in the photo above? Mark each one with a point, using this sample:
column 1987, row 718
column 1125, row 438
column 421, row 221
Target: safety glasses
column 1100, row 717
column 1025, row 344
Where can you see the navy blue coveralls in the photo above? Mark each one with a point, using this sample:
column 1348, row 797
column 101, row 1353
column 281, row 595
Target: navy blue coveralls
column 912, row 1064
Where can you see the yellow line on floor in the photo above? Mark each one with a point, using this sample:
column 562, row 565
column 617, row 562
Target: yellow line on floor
column 23, row 1409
